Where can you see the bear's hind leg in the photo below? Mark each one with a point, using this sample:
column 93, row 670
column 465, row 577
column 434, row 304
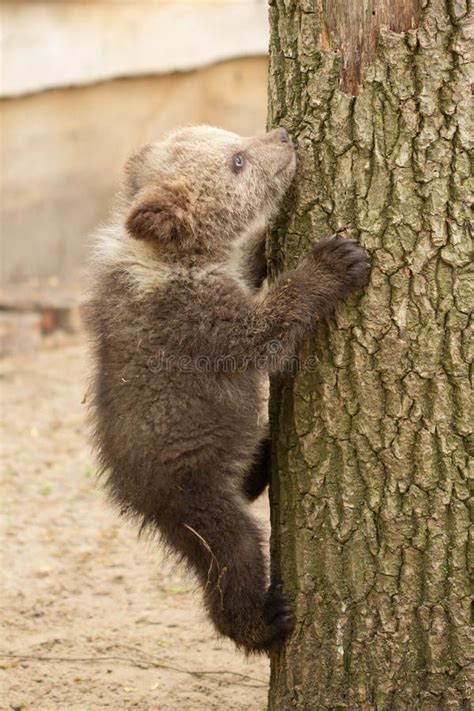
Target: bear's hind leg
column 258, row 476
column 206, row 522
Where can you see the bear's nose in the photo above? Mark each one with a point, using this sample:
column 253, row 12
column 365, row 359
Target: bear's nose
column 284, row 137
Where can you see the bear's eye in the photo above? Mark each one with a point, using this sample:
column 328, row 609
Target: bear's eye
column 238, row 162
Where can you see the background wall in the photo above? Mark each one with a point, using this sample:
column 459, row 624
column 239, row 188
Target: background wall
column 76, row 101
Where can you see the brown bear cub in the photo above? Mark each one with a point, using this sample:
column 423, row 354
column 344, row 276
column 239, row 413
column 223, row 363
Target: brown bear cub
column 184, row 339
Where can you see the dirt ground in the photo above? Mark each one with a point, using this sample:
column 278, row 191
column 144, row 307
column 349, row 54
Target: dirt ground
column 93, row 618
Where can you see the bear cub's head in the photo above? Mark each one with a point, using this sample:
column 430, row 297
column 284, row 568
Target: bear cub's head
column 201, row 188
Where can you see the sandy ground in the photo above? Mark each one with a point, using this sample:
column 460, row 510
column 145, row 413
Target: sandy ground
column 93, row 618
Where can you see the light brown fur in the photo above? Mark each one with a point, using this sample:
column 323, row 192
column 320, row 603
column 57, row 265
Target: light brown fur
column 184, row 340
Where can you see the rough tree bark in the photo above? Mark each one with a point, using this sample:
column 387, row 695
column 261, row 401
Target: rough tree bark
column 369, row 498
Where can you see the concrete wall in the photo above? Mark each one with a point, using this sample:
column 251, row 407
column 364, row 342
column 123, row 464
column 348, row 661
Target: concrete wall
column 62, row 152
column 85, row 81
column 61, row 43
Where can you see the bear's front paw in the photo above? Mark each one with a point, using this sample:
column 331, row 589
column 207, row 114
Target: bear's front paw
column 344, row 260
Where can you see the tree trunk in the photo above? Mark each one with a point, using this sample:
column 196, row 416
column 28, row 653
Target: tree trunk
column 369, row 493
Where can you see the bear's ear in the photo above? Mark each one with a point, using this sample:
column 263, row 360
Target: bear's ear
column 162, row 214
